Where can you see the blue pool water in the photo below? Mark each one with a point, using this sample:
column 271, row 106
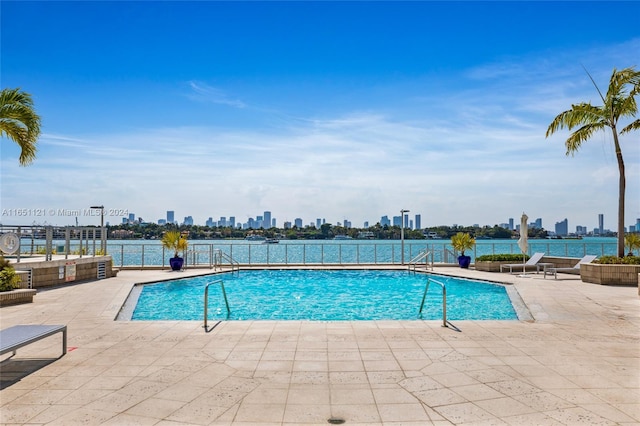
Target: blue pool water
column 325, row 295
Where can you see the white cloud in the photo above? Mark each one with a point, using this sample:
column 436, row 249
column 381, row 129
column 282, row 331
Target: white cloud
column 202, row 92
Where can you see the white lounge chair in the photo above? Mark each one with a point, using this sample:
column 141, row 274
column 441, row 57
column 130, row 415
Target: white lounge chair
column 533, row 260
column 586, row 259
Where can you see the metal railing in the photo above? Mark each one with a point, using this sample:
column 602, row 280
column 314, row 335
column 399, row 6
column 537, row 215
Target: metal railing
column 206, row 300
column 222, row 256
column 212, row 254
column 424, row 255
column 444, row 299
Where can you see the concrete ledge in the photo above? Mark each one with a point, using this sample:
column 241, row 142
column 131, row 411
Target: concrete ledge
column 491, row 266
column 15, row 297
column 596, row 273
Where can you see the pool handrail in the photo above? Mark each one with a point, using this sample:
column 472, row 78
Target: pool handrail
column 423, row 255
column 444, row 299
column 206, row 300
column 220, row 255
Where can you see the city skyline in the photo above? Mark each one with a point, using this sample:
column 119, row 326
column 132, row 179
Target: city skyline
column 412, row 221
column 345, row 109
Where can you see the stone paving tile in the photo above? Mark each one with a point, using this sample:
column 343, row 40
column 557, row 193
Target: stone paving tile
column 465, row 412
column 403, row 412
column 576, row 362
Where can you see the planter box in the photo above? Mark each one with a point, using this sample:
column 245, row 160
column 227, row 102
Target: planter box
column 14, row 297
column 491, row 266
column 609, row 274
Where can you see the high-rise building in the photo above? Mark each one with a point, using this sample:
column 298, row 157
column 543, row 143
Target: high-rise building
column 318, row 223
column 209, row 222
column 171, row 216
column 538, row 223
column 266, row 221
column 562, row 228
column 188, row 220
column 397, row 221
column 511, row 224
column 298, row 223
column 601, row 223
column 232, row 221
column 418, row 220
column 384, row 221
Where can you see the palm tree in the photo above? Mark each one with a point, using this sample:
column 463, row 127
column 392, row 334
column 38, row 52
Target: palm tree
column 19, row 122
column 619, row 102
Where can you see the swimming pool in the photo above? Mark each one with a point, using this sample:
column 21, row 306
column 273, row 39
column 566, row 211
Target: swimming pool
column 322, row 295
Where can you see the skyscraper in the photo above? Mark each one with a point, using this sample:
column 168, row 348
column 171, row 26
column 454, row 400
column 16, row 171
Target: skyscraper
column 418, row 220
column 266, row 220
column 562, row 228
column 170, row 216
column 601, row 224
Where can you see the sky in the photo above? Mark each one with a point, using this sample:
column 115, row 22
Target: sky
column 334, row 110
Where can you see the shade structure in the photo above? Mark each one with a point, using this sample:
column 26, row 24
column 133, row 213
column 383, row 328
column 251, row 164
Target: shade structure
column 522, row 242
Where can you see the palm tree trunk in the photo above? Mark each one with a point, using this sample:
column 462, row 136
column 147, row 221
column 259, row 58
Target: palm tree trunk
column 621, row 190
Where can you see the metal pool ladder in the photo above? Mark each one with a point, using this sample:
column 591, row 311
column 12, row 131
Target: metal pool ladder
column 422, row 256
column 444, row 299
column 206, row 300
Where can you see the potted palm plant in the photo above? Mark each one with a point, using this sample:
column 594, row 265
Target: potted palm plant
column 461, row 242
column 175, row 241
column 632, row 242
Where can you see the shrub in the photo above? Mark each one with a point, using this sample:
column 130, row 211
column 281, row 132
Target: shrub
column 9, row 280
column 615, row 260
column 508, row 257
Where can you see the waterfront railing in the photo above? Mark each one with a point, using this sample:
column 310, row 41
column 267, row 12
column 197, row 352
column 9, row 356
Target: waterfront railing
column 310, row 253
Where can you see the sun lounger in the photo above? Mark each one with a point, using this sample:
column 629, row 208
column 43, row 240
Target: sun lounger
column 13, row 338
column 532, row 262
column 576, row 268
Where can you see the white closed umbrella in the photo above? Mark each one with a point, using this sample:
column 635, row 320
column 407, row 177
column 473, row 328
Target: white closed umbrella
column 522, row 241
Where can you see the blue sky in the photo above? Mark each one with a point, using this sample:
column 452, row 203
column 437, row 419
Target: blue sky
column 328, row 110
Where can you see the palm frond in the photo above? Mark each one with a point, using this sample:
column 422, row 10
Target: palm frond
column 584, row 133
column 635, row 125
column 580, row 114
column 19, row 122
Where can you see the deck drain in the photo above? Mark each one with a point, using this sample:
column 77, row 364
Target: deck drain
column 335, row 421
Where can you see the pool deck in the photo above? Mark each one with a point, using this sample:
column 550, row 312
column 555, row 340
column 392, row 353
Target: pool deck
column 576, row 363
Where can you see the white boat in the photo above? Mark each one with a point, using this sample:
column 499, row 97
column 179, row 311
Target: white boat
column 271, row 241
column 342, row 237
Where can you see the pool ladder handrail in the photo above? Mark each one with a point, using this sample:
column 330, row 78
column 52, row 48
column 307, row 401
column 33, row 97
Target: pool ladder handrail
column 221, row 255
column 423, row 255
column 206, row 300
column 444, row 299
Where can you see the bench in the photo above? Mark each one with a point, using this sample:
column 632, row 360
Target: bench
column 18, row 336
